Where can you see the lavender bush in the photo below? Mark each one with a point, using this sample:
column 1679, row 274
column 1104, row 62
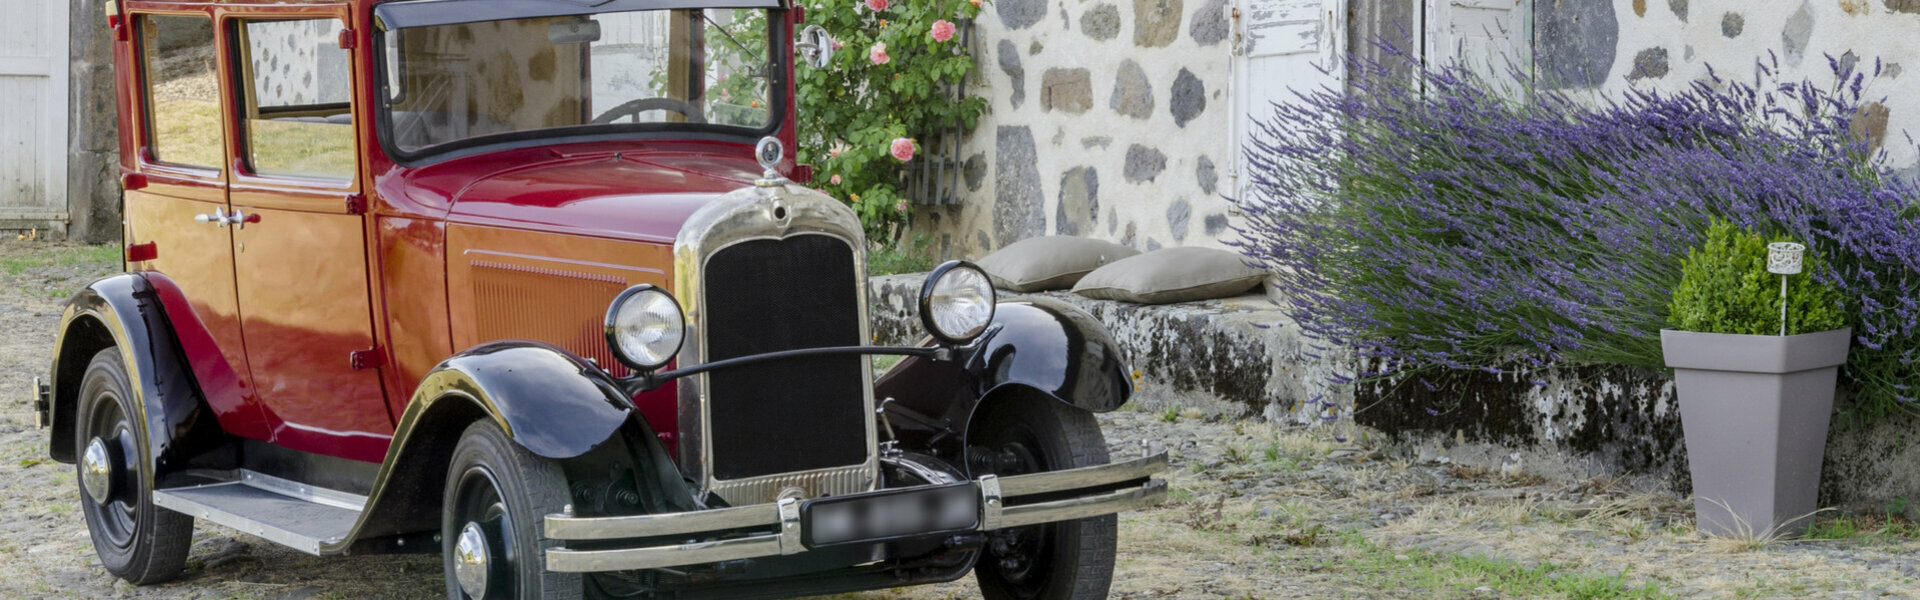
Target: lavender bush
column 1427, row 222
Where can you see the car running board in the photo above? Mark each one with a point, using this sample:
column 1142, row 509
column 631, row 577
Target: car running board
column 289, row 513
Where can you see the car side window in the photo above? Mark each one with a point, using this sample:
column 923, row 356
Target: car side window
column 182, row 94
column 296, row 91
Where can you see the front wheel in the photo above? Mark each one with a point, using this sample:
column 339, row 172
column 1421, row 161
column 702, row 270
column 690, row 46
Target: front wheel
column 1068, row 560
column 493, row 527
column 135, row 539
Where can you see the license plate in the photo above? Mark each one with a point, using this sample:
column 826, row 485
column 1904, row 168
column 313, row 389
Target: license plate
column 880, row 516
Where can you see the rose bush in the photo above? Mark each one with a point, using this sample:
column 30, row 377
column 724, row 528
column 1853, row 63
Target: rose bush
column 862, row 118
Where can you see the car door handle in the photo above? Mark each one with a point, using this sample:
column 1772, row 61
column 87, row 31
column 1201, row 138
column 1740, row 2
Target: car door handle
column 239, row 220
column 217, row 219
column 220, row 218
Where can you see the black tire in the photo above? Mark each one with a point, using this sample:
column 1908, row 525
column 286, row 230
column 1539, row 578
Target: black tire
column 136, row 540
column 1068, row 560
column 508, row 492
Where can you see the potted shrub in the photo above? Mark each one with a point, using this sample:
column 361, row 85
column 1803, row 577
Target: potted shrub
column 1755, row 382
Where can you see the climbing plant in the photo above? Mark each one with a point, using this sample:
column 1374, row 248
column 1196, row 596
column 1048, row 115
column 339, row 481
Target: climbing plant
column 896, row 78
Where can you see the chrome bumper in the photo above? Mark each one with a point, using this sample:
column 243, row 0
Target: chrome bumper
column 999, row 508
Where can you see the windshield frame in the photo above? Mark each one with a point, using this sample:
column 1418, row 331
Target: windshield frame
column 778, row 85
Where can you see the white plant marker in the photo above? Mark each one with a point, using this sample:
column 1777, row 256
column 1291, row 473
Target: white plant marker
column 1783, row 259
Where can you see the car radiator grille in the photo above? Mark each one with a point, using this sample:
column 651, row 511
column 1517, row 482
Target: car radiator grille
column 789, row 415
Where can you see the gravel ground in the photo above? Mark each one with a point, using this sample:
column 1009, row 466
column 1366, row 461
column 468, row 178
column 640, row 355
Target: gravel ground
column 1258, row 512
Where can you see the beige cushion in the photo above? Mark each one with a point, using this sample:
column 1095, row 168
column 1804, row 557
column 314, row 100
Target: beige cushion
column 1172, row 275
column 1049, row 263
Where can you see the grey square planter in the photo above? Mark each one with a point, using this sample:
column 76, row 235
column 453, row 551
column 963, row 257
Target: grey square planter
column 1755, row 410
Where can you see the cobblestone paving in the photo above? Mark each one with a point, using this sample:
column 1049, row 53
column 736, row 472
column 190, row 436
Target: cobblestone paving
column 1258, row 512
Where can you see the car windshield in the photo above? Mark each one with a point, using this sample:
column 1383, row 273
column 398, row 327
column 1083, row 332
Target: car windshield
column 657, row 70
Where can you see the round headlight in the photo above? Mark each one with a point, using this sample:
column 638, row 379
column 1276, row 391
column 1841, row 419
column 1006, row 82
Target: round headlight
column 645, row 327
column 956, row 303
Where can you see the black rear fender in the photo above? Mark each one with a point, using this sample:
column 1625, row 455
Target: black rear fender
column 125, row 312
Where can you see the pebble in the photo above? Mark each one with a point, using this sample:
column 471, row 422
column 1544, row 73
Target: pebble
column 303, row 593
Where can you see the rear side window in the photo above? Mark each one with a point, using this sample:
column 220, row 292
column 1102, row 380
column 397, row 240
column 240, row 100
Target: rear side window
column 183, row 90
column 296, row 98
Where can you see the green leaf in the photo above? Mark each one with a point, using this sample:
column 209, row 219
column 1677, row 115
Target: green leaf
column 865, row 106
column 1725, row 288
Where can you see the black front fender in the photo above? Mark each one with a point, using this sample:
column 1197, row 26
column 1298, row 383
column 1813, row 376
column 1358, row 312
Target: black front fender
column 1053, row 348
column 554, row 404
column 549, row 401
column 1039, row 345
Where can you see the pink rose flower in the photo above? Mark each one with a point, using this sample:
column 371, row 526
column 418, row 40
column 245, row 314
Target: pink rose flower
column 835, row 179
column 901, row 206
column 877, row 5
column 942, row 30
column 837, row 44
column 974, row 2
column 902, row 149
column 878, row 54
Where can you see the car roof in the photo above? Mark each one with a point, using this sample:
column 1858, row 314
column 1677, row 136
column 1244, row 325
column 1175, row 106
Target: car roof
column 178, row 4
column 412, row 13
column 554, row 5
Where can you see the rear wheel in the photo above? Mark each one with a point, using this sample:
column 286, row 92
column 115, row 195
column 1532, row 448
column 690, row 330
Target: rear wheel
column 493, row 527
column 1068, row 560
column 136, row 540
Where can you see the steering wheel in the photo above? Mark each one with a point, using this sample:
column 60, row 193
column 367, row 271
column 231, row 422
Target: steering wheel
column 633, row 108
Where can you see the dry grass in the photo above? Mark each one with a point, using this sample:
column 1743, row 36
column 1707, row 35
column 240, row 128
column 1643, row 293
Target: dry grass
column 1259, row 512
column 297, row 148
column 187, row 130
column 1647, row 534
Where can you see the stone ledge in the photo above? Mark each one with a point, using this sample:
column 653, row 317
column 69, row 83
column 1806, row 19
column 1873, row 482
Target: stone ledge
column 1237, row 356
column 1242, row 357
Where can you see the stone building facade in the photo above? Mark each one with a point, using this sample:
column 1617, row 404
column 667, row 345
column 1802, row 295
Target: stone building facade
column 1107, row 118
column 1669, row 44
column 1116, row 119
column 93, row 129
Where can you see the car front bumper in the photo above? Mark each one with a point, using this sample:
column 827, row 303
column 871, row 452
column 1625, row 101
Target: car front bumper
column 776, row 529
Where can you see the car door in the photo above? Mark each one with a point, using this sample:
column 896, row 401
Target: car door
column 176, row 204
column 299, row 245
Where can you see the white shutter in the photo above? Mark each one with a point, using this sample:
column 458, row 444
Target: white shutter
column 33, row 144
column 1493, row 38
column 1282, row 46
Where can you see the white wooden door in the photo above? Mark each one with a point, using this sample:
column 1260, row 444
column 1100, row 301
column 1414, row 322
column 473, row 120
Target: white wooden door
column 33, row 137
column 1493, row 38
column 1282, row 46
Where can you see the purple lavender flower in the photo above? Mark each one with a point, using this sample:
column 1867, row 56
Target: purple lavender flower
column 1428, row 222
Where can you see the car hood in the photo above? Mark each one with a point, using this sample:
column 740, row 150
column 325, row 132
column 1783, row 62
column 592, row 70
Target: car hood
column 624, row 195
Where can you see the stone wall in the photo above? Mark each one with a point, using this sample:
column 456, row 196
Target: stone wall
column 1242, row 357
column 1107, row 118
column 1111, row 118
column 93, row 129
column 1609, row 45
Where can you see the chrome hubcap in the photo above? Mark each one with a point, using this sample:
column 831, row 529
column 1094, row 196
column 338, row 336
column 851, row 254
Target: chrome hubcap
column 470, row 561
column 96, row 472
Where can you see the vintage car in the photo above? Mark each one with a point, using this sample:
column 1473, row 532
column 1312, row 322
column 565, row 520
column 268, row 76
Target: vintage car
column 529, row 283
